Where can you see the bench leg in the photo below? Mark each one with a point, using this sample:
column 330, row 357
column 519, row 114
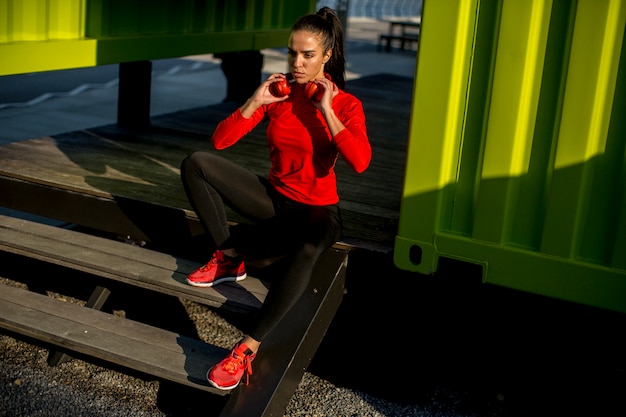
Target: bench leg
column 384, row 39
column 287, row 352
column 133, row 101
column 96, row 301
column 243, row 72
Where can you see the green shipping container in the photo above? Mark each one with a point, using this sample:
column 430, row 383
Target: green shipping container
column 517, row 146
column 44, row 35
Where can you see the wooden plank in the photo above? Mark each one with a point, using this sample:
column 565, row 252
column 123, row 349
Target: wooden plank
column 134, row 345
column 130, row 219
column 283, row 358
column 123, row 262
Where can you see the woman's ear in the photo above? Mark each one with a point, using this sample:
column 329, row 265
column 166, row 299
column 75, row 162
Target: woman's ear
column 327, row 56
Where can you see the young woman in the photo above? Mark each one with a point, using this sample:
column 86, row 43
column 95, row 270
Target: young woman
column 294, row 211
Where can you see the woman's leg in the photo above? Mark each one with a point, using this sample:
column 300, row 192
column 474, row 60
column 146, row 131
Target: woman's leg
column 318, row 228
column 211, row 181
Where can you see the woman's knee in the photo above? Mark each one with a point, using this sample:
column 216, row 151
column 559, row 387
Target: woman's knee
column 202, row 164
column 309, row 252
column 189, row 163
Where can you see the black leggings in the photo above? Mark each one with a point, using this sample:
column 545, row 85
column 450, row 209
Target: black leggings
column 280, row 226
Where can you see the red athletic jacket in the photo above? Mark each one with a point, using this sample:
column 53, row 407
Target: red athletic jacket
column 302, row 151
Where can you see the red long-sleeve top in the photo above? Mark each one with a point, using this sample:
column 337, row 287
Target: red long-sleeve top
column 303, row 153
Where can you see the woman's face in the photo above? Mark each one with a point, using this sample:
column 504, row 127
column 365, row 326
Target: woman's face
column 306, row 57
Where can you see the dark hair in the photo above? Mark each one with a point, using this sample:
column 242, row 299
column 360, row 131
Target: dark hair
column 326, row 23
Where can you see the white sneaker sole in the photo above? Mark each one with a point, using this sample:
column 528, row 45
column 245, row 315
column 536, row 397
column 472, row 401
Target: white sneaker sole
column 217, row 281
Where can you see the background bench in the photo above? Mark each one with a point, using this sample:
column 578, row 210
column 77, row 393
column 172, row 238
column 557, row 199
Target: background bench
column 405, row 32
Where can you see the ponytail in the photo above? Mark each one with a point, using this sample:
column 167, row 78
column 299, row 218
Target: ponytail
column 326, row 23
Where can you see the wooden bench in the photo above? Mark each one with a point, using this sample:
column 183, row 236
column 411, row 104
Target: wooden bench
column 125, row 183
column 408, row 34
column 386, row 39
column 281, row 361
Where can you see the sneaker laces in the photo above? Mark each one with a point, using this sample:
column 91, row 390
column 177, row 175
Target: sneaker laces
column 208, row 265
column 235, row 362
column 214, row 261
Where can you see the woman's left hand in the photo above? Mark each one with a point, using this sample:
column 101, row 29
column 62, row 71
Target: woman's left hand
column 330, row 91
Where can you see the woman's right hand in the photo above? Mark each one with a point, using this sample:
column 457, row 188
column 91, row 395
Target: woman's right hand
column 262, row 95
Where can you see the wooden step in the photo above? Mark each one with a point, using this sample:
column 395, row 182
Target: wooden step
column 114, row 339
column 281, row 361
column 124, row 262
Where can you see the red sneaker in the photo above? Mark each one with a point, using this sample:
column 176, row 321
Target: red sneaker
column 219, row 269
column 227, row 374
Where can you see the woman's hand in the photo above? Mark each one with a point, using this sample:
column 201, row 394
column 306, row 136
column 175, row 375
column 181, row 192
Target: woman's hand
column 325, row 104
column 330, row 91
column 262, row 95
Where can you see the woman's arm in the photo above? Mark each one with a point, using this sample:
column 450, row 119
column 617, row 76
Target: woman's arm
column 352, row 142
column 346, row 121
column 245, row 118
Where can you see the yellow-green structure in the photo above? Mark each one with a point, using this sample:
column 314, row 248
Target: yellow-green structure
column 44, row 35
column 517, row 146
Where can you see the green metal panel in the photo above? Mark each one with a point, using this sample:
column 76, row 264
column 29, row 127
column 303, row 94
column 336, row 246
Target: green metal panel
column 517, row 144
column 148, row 29
column 42, row 35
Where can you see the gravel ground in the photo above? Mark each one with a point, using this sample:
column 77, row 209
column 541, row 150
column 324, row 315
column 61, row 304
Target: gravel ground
column 480, row 351
column 29, row 387
column 497, row 354
column 550, row 361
